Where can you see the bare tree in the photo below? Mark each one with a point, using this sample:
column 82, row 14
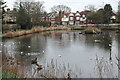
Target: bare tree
column 2, row 8
column 90, row 7
column 59, row 8
column 34, row 9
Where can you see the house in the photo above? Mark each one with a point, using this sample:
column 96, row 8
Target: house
column 51, row 17
column 65, row 19
column 10, row 16
column 74, row 18
column 62, row 18
column 113, row 18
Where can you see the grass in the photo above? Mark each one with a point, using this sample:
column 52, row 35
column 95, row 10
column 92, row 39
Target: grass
column 110, row 27
column 6, row 74
column 37, row 29
column 77, row 27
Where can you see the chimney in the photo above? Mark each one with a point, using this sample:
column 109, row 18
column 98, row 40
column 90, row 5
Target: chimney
column 77, row 11
column 8, row 9
column 63, row 12
column 60, row 12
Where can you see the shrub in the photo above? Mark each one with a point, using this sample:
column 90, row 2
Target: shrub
column 42, row 23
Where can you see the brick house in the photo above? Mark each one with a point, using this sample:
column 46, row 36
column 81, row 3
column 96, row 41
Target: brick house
column 113, row 18
column 10, row 16
column 51, row 17
column 62, row 18
column 74, row 18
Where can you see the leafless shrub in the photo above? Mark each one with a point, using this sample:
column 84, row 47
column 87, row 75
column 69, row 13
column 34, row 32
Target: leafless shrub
column 105, row 68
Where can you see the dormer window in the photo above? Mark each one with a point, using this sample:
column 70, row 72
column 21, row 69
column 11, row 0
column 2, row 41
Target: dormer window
column 71, row 14
column 77, row 14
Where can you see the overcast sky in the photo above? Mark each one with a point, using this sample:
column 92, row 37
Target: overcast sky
column 75, row 5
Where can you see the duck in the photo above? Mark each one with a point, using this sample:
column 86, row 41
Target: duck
column 38, row 67
column 29, row 46
column 11, row 58
column 97, row 40
column 34, row 61
column 43, row 51
column 21, row 53
column 59, row 55
column 80, row 32
column 110, row 45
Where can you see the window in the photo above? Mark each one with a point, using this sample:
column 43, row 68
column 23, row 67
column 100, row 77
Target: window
column 71, row 18
column 77, row 18
column 83, row 15
column 77, row 22
column 81, row 19
column 64, row 16
column 71, row 22
column 52, row 18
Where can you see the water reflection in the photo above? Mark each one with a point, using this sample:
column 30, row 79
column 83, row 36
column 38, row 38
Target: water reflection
column 66, row 47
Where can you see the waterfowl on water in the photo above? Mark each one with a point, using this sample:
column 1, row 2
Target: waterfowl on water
column 11, row 58
column 110, row 44
column 97, row 40
column 38, row 67
column 29, row 46
column 59, row 55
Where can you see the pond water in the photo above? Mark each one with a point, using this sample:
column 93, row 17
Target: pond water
column 85, row 54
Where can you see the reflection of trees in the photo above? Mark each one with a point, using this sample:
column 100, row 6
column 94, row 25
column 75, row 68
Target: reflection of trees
column 22, row 64
column 119, row 45
column 62, row 39
column 105, row 40
column 37, row 44
column 58, row 36
column 23, row 45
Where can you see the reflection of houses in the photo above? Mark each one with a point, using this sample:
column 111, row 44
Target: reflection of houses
column 66, row 18
column 10, row 16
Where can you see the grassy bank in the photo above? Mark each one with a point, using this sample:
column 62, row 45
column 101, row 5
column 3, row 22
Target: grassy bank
column 110, row 28
column 18, row 33
column 33, row 30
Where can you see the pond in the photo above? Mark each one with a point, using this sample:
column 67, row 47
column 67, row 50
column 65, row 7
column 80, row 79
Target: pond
column 84, row 55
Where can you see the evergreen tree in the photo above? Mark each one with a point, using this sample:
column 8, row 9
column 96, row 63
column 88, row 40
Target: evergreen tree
column 107, row 13
column 23, row 18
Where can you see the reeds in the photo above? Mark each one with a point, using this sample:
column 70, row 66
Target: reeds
column 33, row 30
column 55, row 70
column 105, row 68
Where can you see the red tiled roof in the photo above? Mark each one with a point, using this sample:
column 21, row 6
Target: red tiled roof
column 113, row 14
